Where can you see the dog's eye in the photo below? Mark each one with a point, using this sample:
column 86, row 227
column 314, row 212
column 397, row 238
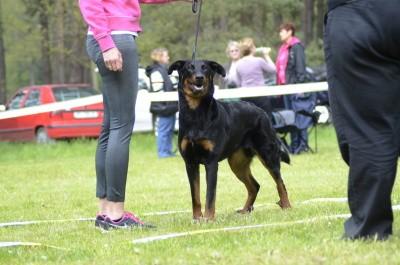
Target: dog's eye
column 204, row 67
column 191, row 67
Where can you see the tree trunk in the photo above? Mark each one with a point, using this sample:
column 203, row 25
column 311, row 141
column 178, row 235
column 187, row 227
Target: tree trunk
column 58, row 59
column 3, row 91
column 321, row 10
column 308, row 21
column 44, row 29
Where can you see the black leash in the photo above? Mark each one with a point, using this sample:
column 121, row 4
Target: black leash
column 196, row 8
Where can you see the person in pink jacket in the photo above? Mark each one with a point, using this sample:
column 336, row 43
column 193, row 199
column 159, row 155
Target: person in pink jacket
column 113, row 28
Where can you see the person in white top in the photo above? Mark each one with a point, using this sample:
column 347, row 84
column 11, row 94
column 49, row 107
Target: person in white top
column 233, row 53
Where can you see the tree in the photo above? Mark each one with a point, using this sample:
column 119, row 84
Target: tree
column 3, row 90
column 41, row 9
column 45, row 39
column 308, row 21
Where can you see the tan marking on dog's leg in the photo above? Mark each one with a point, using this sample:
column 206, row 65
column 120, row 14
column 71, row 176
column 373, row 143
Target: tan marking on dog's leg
column 240, row 165
column 211, row 192
column 209, row 214
column 283, row 202
column 193, row 173
column 197, row 214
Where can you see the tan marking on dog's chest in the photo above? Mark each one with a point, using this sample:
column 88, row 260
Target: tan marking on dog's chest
column 193, row 103
column 206, row 144
column 184, row 144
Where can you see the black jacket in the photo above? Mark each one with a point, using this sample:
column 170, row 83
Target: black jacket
column 168, row 86
column 334, row 3
column 296, row 66
column 164, row 109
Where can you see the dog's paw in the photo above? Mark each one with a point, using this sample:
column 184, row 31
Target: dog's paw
column 208, row 219
column 197, row 218
column 284, row 205
column 202, row 220
column 196, row 221
column 246, row 210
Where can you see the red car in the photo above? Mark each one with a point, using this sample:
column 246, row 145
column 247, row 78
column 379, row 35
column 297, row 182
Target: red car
column 47, row 112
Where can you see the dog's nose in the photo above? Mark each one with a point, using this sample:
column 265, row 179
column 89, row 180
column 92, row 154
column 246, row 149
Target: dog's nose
column 199, row 80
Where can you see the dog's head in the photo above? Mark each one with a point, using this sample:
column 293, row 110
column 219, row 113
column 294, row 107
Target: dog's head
column 196, row 78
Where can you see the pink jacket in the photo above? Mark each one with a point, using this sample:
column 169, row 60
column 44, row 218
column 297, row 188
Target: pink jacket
column 104, row 16
column 282, row 60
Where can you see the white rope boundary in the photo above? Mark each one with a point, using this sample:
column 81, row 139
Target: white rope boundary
column 160, row 213
column 189, row 233
column 311, row 220
column 236, row 228
column 242, row 92
column 33, row 222
column 28, row 244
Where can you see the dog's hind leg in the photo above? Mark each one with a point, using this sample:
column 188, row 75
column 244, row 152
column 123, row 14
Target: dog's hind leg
column 274, row 169
column 193, row 173
column 240, row 165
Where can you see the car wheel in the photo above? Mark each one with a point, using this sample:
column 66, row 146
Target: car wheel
column 42, row 137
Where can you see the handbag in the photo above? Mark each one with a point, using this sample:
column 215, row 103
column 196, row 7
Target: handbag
column 164, row 108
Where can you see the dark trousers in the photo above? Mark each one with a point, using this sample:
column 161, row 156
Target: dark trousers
column 119, row 91
column 262, row 102
column 362, row 40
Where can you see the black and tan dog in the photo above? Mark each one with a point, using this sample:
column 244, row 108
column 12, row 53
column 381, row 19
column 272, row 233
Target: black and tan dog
column 210, row 131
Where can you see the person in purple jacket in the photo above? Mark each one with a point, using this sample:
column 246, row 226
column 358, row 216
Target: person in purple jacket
column 250, row 71
column 113, row 28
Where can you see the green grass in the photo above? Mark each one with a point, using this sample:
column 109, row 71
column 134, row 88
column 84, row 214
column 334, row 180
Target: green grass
column 57, row 181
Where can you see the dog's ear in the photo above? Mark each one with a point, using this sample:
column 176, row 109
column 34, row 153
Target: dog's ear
column 176, row 66
column 216, row 67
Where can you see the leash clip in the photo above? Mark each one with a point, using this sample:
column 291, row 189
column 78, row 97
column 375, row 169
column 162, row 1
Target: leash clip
column 195, row 5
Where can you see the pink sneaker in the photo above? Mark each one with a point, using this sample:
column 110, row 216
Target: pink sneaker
column 127, row 221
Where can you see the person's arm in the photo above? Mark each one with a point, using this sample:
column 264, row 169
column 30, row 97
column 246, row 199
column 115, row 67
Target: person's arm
column 161, row 1
column 93, row 13
column 300, row 60
column 268, row 65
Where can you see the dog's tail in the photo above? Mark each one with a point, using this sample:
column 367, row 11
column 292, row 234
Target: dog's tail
column 284, row 152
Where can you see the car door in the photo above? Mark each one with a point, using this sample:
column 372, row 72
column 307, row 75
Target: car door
column 11, row 129
column 29, row 123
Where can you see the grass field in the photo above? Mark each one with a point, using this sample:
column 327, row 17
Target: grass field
column 57, row 182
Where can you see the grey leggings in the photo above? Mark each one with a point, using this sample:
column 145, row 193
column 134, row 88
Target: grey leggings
column 119, row 91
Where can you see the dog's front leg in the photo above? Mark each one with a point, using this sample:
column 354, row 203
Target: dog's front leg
column 193, row 173
column 211, row 178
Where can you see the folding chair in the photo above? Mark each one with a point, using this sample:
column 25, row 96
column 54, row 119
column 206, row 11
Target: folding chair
column 284, row 122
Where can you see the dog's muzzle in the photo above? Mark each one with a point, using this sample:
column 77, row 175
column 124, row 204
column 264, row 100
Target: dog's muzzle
column 198, row 85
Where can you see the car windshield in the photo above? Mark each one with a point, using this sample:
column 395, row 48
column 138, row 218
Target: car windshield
column 68, row 93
